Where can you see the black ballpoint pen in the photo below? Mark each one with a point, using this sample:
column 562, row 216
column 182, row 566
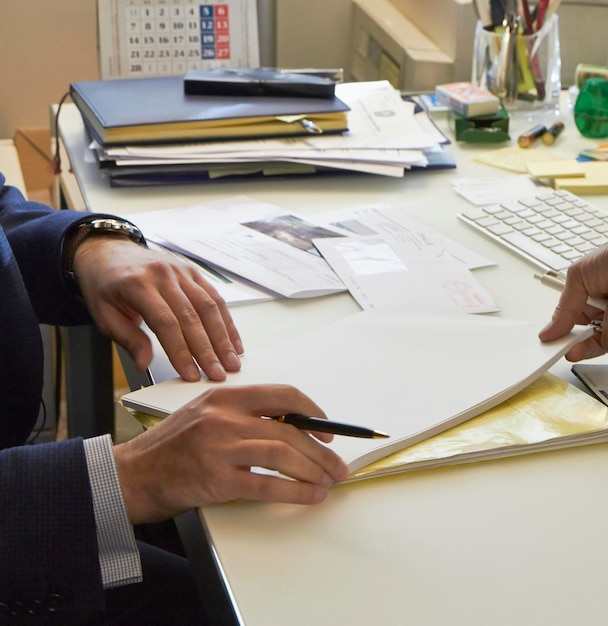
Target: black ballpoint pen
column 325, row 426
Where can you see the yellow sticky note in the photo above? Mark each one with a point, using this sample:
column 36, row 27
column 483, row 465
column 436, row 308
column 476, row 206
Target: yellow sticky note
column 556, row 169
column 594, row 180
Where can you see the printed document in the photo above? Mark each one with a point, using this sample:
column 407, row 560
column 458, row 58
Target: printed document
column 251, row 239
column 390, row 260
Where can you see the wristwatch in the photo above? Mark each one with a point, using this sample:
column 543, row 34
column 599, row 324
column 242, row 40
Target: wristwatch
column 97, row 226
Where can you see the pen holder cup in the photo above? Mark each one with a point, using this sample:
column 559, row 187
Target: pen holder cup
column 524, row 75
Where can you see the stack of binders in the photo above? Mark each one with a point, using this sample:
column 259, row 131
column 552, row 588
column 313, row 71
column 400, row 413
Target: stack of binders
column 150, row 131
column 156, row 111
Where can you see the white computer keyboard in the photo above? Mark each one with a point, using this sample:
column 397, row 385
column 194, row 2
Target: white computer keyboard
column 551, row 229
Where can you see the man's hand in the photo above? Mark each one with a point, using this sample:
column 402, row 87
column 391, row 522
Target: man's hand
column 587, row 278
column 204, row 452
column 124, row 283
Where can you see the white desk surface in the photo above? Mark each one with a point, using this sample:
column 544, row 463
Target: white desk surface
column 515, row 541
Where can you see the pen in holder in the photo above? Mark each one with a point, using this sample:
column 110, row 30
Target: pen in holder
column 522, row 70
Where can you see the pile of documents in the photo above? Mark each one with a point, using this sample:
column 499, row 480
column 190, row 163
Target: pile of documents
column 252, row 250
column 367, row 128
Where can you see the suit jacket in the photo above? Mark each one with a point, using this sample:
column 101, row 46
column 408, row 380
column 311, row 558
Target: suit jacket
column 48, row 546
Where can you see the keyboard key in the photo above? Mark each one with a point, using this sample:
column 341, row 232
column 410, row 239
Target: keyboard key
column 487, row 221
column 572, row 256
column 574, row 241
column 536, row 251
column 599, row 241
column 500, row 229
column 592, row 223
column 561, row 249
column 586, row 247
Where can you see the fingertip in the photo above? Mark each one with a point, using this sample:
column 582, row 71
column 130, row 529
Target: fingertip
column 320, row 494
column 232, row 361
column 215, row 371
column 238, row 346
column 142, row 357
column 191, row 373
column 545, row 332
column 341, row 473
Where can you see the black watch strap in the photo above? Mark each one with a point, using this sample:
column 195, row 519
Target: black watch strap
column 97, row 226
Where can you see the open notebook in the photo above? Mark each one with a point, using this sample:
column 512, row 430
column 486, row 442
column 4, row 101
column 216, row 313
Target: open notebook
column 412, row 376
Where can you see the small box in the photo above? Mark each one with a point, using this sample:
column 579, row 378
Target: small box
column 467, row 99
column 483, row 128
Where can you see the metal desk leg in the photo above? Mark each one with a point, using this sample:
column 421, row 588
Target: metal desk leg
column 89, row 382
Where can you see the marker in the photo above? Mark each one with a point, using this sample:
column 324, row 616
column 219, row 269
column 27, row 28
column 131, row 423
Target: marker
column 551, row 134
column 316, row 424
column 530, row 136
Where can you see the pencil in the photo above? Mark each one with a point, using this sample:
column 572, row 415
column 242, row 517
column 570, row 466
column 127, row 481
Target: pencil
column 316, row 424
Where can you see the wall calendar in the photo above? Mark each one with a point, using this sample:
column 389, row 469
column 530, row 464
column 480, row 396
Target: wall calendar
column 140, row 38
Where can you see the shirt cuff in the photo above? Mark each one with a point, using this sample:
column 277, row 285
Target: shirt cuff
column 118, row 555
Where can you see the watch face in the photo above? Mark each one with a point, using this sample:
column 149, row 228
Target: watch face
column 117, row 226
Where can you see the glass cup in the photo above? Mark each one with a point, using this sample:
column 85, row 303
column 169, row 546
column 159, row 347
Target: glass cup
column 523, row 73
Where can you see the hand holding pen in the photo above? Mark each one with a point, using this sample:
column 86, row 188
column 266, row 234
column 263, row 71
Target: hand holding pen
column 582, row 301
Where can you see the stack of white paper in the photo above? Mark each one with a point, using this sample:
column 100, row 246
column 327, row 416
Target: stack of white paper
column 411, row 376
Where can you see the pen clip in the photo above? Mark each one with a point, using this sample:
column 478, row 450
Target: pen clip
column 311, row 127
column 597, row 325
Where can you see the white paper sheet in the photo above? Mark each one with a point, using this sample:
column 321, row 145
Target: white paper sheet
column 495, row 189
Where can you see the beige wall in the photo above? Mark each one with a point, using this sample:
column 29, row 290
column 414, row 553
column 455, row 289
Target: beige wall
column 313, row 33
column 44, row 45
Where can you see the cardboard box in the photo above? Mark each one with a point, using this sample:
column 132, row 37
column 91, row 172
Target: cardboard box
column 34, row 149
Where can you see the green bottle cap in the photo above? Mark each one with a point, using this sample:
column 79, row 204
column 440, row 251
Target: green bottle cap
column 591, row 108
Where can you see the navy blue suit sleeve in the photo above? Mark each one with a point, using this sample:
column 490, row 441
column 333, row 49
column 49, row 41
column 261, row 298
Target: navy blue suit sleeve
column 48, row 546
column 35, row 233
